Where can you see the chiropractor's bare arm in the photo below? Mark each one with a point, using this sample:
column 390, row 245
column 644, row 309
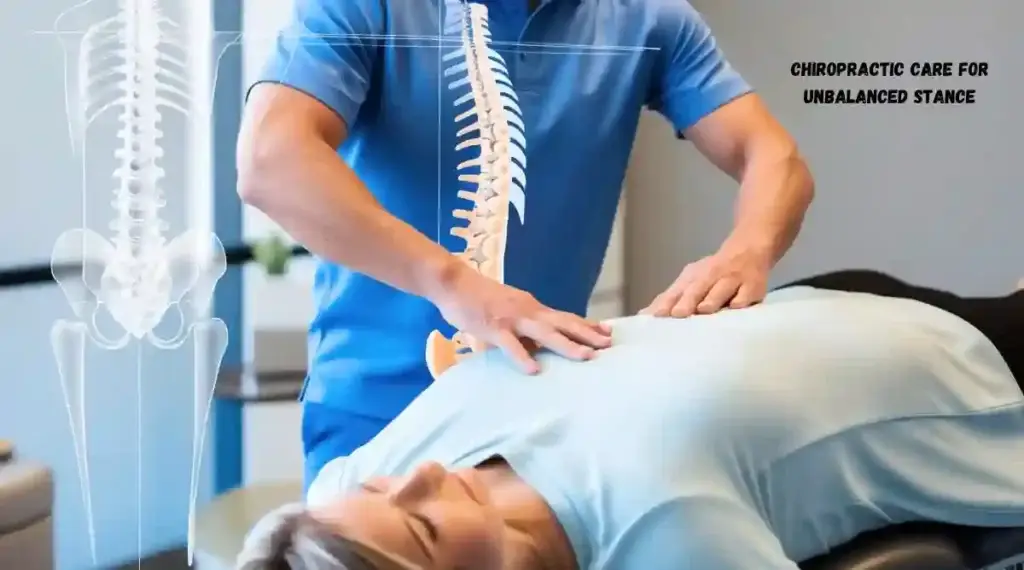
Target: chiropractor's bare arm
column 745, row 141
column 288, row 168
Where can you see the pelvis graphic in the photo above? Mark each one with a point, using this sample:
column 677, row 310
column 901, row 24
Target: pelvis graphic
column 138, row 288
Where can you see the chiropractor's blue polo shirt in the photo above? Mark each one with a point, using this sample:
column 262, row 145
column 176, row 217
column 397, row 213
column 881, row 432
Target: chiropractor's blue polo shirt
column 582, row 70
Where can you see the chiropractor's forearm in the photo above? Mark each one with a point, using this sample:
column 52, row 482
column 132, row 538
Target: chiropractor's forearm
column 775, row 191
column 304, row 186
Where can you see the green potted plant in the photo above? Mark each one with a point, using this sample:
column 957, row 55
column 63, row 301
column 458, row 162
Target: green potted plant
column 273, row 253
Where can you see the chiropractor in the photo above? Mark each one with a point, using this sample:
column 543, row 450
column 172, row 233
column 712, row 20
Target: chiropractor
column 342, row 145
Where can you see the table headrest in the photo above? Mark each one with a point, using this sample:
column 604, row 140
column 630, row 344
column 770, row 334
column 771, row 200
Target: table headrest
column 935, row 546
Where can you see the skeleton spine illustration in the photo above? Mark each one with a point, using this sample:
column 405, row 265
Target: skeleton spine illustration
column 138, row 62
column 490, row 119
column 138, row 229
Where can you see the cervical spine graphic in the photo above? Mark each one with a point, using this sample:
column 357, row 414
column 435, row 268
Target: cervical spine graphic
column 491, row 122
column 137, row 62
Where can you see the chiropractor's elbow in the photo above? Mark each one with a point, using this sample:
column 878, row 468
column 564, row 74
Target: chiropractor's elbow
column 263, row 156
column 786, row 159
column 803, row 174
column 260, row 163
column 281, row 129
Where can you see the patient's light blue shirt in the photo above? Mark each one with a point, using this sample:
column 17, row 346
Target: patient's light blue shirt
column 376, row 63
column 746, row 439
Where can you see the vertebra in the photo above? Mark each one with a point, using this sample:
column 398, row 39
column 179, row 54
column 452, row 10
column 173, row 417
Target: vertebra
column 495, row 126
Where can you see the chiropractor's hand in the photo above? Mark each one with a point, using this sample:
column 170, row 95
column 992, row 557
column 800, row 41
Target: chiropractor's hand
column 514, row 321
column 735, row 277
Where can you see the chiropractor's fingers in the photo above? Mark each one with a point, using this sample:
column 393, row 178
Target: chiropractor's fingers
column 662, row 305
column 603, row 328
column 583, row 331
column 719, row 295
column 588, row 331
column 510, row 344
column 747, row 295
column 549, row 336
column 694, row 293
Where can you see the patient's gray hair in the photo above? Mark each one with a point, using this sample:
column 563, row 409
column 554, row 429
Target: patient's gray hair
column 290, row 538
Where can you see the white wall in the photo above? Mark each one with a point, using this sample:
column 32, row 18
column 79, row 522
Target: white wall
column 41, row 197
column 929, row 194
column 272, row 437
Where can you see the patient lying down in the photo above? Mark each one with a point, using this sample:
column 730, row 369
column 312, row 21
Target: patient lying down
column 755, row 438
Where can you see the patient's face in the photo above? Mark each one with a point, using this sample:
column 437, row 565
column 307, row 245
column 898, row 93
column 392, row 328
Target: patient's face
column 432, row 518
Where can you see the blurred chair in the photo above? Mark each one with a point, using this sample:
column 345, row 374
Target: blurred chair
column 26, row 513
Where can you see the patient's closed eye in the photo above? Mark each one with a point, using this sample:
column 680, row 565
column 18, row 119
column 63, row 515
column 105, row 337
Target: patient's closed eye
column 370, row 488
column 427, row 525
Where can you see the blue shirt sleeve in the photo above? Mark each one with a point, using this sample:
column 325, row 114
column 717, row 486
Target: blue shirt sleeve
column 694, row 78
column 328, row 51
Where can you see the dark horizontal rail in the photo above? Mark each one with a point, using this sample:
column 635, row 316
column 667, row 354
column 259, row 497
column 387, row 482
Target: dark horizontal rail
column 19, row 276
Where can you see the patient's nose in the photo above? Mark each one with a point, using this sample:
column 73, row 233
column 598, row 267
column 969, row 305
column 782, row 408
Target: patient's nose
column 422, row 483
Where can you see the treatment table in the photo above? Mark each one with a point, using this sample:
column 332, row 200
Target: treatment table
column 26, row 519
column 922, row 546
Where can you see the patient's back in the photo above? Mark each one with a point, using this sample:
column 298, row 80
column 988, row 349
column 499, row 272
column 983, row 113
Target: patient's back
column 811, row 417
